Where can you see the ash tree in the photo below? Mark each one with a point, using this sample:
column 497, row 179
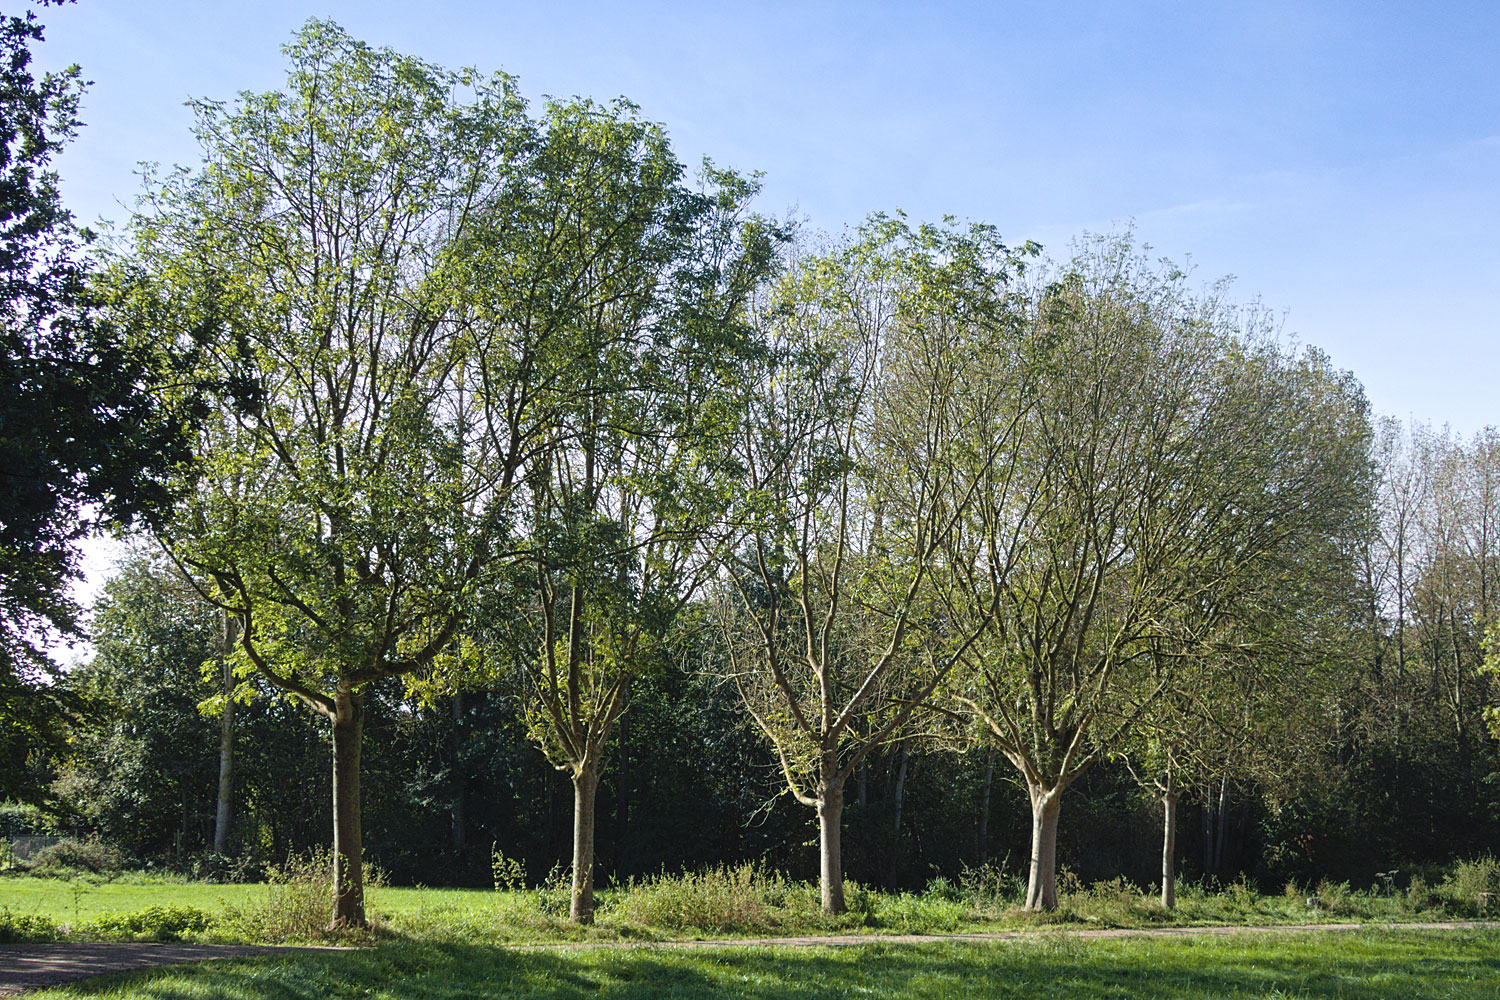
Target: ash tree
column 1176, row 455
column 628, row 471
column 395, row 257
column 859, row 442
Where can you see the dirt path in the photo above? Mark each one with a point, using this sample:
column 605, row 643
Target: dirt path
column 28, row 967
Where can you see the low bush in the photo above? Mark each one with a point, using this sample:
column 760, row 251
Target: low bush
column 154, row 923
column 24, row 928
column 724, row 898
column 1474, row 885
column 69, row 856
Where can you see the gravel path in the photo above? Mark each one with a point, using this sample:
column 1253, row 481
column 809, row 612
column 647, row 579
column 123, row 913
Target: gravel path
column 28, row 967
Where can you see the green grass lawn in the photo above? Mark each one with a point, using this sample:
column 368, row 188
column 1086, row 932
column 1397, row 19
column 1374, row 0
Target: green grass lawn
column 1357, row 965
column 715, row 905
column 78, row 901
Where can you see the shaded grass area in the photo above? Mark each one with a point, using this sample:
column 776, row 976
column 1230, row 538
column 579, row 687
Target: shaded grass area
column 1363, row 965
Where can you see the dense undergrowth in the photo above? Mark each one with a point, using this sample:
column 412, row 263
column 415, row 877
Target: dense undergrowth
column 742, row 900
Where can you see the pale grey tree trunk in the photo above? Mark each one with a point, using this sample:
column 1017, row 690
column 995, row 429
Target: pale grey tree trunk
column 1169, row 850
column 348, row 833
column 585, row 787
column 1041, row 885
column 830, row 853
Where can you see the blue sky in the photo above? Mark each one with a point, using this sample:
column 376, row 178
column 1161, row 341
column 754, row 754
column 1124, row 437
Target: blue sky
column 1342, row 160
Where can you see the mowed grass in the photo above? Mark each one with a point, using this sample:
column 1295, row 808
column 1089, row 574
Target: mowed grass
column 79, row 901
column 1353, row 965
column 736, row 902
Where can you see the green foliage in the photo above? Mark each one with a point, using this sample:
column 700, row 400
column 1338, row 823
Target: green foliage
column 154, row 923
column 1474, row 883
column 509, row 873
column 84, row 433
column 70, row 857
column 725, row 899
column 24, row 928
column 294, row 904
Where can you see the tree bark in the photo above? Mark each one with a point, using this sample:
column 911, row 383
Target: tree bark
column 898, row 800
column 984, row 808
column 348, row 835
column 224, row 808
column 585, row 785
column 830, row 853
column 460, row 792
column 622, row 795
column 1041, row 886
column 1169, row 850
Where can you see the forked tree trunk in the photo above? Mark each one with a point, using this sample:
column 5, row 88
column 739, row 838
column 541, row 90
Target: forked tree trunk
column 348, row 836
column 1169, row 850
column 830, row 850
column 585, row 786
column 1041, row 885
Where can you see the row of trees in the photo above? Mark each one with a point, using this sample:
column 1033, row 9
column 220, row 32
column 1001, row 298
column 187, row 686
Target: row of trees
column 483, row 398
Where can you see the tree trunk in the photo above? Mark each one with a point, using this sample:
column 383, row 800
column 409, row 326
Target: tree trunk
column 1223, row 824
column 984, row 808
column 348, row 836
column 1041, row 886
column 460, row 791
column 224, row 809
column 585, row 785
column 830, row 855
column 1169, row 850
column 898, row 800
column 622, row 795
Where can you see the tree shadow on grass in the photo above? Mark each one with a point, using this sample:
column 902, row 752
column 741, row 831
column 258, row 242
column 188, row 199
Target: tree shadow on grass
column 1371, row 967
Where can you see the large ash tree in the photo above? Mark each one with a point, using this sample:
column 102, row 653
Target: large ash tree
column 1178, row 458
column 396, row 258
column 863, row 443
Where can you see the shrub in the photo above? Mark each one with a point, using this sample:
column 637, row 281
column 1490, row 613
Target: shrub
column 735, row 898
column 67, row 856
column 154, row 923
column 1335, row 897
column 1475, row 883
column 509, row 873
column 23, row 928
column 296, row 905
column 991, row 887
column 723, row 898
